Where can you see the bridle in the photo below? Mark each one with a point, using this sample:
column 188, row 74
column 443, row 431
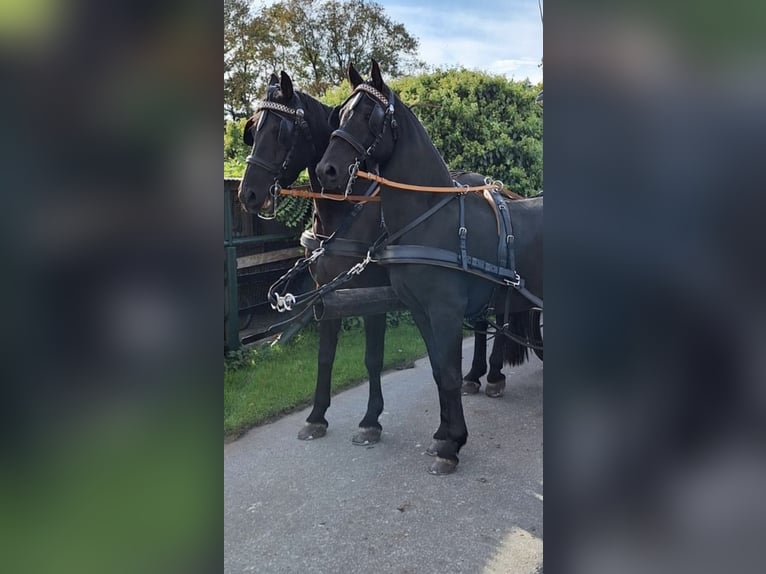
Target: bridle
column 291, row 118
column 381, row 115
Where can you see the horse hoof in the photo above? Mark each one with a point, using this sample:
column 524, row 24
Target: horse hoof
column 470, row 387
column 366, row 436
column 442, row 466
column 495, row 390
column 434, row 447
column 310, row 431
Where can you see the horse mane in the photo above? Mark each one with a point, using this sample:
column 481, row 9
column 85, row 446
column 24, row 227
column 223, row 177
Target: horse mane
column 314, row 108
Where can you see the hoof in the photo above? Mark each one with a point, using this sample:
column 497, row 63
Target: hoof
column 433, row 448
column 310, row 431
column 495, row 390
column 442, row 466
column 470, row 387
column 366, row 436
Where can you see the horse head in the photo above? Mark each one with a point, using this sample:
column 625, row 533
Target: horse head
column 281, row 143
column 365, row 133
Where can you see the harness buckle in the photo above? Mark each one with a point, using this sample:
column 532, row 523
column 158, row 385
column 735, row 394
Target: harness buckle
column 509, row 239
column 462, row 232
column 515, row 282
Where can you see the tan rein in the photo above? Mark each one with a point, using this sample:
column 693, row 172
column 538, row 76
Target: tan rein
column 425, row 188
column 305, row 190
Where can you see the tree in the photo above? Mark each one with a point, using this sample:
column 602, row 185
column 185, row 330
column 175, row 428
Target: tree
column 314, row 39
column 249, row 56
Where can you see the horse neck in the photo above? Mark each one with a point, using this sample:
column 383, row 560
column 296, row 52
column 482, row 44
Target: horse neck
column 415, row 161
column 317, row 116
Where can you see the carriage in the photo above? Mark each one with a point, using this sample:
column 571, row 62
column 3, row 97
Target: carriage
column 257, row 252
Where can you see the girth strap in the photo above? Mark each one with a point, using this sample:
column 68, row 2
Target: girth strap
column 505, row 252
column 463, row 233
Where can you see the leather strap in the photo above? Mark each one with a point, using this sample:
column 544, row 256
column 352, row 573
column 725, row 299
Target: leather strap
column 338, row 246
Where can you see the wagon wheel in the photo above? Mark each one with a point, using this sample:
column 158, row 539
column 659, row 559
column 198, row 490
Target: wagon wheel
column 537, row 332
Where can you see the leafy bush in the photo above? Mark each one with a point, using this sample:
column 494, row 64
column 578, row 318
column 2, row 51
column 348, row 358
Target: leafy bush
column 482, row 123
column 233, row 146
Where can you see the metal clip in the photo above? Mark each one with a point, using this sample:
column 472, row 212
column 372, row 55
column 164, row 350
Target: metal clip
column 462, row 232
column 509, row 239
column 316, row 254
column 284, row 303
column 515, row 282
column 359, row 267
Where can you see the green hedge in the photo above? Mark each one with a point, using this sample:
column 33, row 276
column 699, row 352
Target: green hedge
column 480, row 122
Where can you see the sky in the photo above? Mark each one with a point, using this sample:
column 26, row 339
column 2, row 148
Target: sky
column 498, row 36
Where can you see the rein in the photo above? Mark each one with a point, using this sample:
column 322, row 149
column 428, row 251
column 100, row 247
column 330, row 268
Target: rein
column 305, row 191
column 496, row 185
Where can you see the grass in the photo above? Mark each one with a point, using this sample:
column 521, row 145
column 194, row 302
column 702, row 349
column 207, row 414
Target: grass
column 277, row 380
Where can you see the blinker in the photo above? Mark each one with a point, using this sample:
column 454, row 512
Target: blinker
column 376, row 119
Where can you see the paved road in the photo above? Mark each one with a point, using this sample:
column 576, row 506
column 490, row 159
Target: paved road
column 329, row 507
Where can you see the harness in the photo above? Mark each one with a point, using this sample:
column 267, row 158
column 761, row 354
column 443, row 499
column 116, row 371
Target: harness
column 503, row 273
column 292, row 118
column 386, row 252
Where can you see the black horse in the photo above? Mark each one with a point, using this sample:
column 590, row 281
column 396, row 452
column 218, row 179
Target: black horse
column 445, row 253
column 283, row 144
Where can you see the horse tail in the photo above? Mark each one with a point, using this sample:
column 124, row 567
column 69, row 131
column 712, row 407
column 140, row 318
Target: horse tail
column 520, row 324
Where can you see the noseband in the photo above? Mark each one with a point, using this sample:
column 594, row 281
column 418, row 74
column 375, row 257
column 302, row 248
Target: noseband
column 291, row 118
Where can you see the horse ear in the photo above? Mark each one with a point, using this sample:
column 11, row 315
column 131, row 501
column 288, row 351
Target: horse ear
column 273, row 81
column 333, row 121
column 377, row 78
column 247, row 135
column 286, row 85
column 353, row 76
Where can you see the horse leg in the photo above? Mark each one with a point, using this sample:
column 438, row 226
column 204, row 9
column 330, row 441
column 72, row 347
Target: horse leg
column 424, row 326
column 316, row 424
column 496, row 379
column 471, row 382
column 452, row 432
column 374, row 332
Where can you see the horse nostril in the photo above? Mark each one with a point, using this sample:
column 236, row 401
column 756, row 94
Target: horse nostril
column 330, row 171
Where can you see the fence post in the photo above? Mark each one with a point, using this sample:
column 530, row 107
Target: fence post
column 231, row 296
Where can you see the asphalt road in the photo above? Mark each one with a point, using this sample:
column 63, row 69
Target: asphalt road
column 327, row 506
